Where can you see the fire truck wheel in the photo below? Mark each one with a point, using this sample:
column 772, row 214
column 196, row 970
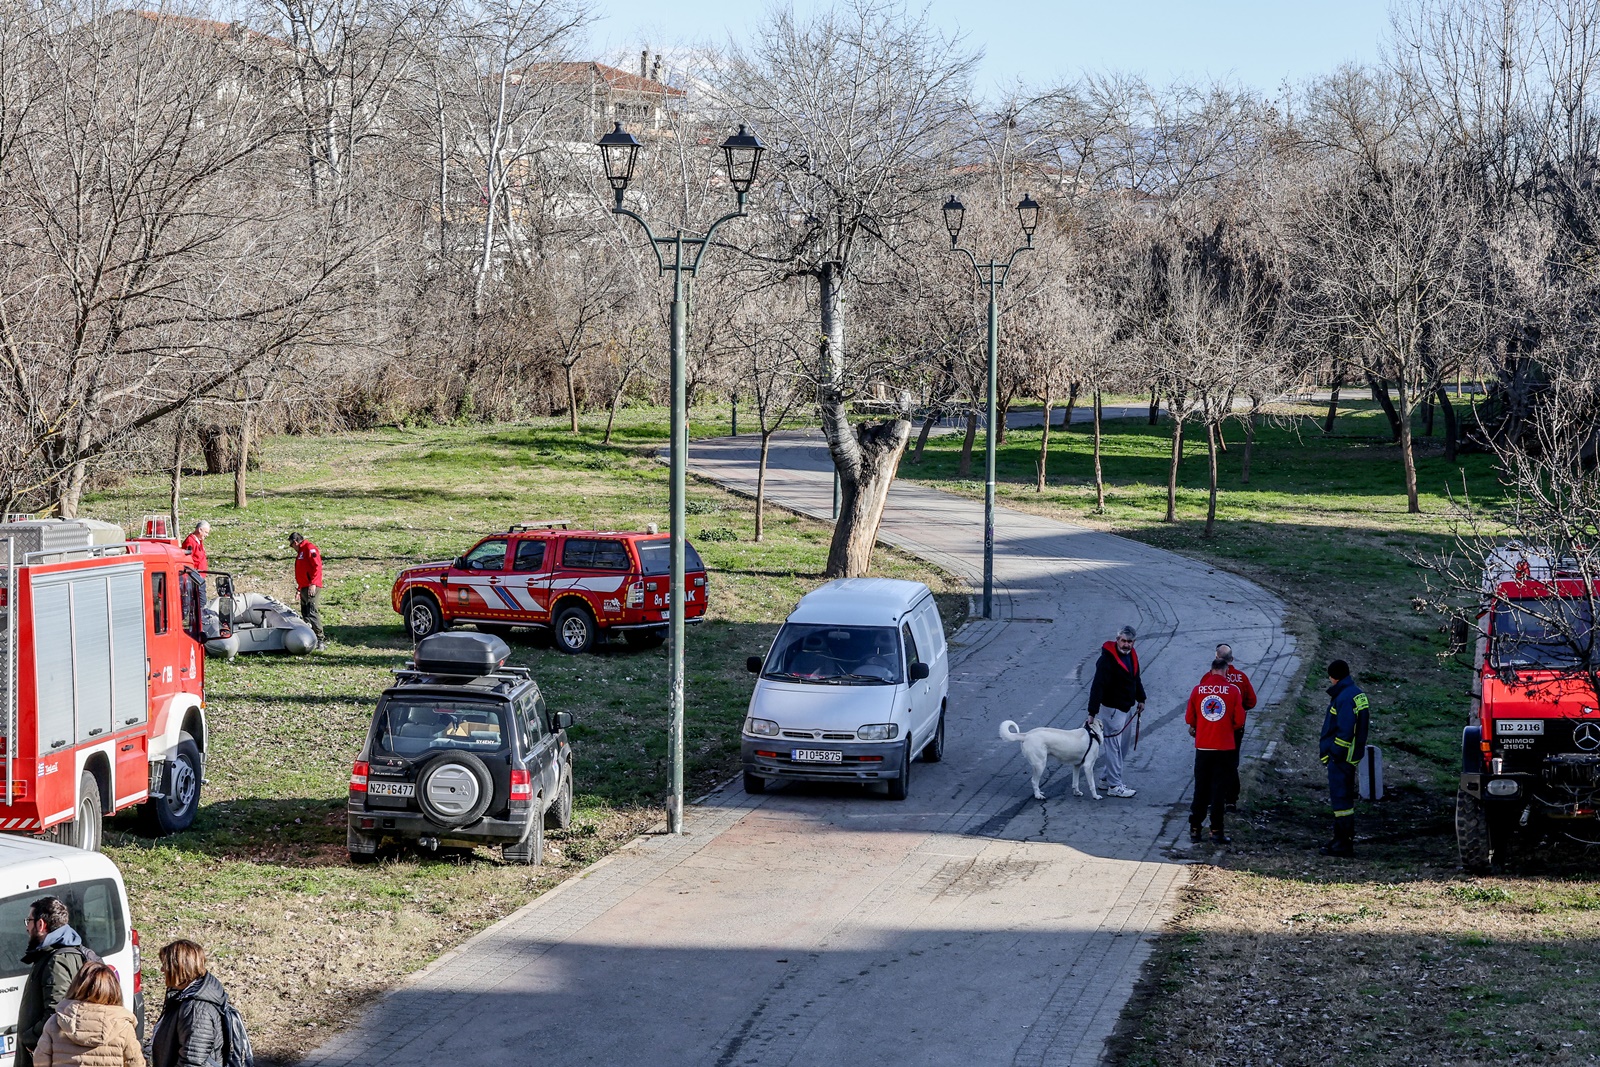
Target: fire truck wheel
column 1472, row 833
column 83, row 830
column 574, row 629
column 422, row 616
column 558, row 816
column 530, row 850
column 175, row 812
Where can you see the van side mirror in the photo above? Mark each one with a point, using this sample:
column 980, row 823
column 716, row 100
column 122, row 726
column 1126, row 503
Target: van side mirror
column 753, row 664
column 224, row 584
column 919, row 671
column 563, row 720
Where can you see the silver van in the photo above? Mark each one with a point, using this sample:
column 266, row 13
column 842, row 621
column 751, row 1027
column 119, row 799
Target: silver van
column 90, row 885
column 853, row 689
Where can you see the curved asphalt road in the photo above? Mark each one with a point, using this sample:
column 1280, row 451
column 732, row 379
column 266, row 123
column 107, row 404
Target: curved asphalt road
column 817, row 926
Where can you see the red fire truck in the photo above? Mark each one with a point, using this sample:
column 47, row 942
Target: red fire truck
column 102, row 673
column 1530, row 754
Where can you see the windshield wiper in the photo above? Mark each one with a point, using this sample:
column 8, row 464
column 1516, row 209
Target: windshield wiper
column 873, row 678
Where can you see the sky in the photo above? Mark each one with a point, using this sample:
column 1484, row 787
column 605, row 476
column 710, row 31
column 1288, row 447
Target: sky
column 1257, row 43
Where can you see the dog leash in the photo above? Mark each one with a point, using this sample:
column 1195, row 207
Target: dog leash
column 1136, row 723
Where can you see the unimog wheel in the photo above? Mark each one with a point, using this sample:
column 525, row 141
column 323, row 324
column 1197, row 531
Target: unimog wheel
column 1472, row 833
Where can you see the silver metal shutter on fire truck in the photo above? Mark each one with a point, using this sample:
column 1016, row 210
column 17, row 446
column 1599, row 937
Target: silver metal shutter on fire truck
column 89, row 654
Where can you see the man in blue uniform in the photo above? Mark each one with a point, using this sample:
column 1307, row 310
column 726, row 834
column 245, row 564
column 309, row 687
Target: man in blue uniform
column 1344, row 742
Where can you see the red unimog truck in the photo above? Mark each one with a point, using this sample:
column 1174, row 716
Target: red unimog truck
column 1530, row 756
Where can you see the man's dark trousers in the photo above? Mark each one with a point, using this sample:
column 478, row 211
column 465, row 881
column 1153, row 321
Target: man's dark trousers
column 1213, row 769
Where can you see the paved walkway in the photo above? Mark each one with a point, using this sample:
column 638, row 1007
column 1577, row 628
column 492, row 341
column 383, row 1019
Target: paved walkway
column 817, row 926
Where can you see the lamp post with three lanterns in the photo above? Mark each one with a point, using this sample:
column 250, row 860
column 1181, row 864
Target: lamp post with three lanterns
column 681, row 253
column 993, row 275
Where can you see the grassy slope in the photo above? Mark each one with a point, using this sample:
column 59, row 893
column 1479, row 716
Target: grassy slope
column 1280, row 956
column 301, row 937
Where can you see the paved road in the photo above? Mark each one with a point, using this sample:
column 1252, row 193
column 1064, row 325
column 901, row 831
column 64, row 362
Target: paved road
column 817, row 926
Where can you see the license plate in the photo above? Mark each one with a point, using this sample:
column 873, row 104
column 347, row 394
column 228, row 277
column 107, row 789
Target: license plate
column 1519, row 727
column 816, row 755
column 391, row 789
column 10, row 1044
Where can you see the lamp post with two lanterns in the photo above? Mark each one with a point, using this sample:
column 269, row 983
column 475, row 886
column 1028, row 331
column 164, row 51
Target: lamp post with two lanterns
column 681, row 253
column 993, row 275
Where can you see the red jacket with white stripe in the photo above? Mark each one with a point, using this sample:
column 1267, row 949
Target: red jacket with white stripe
column 1216, row 710
column 307, row 565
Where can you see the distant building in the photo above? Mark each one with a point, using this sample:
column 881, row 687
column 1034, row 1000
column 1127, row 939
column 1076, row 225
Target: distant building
column 598, row 95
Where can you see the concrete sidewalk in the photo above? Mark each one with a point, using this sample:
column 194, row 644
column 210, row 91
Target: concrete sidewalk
column 968, row 925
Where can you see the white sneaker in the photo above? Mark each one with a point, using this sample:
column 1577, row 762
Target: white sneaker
column 1121, row 792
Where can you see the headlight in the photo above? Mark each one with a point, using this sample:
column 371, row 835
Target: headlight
column 879, row 731
column 761, row 727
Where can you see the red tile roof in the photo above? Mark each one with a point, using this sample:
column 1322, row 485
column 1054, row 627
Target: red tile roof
column 614, row 77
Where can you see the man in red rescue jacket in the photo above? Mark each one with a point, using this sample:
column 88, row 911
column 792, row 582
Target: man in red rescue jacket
column 1215, row 712
column 195, row 545
column 308, row 578
column 1248, row 691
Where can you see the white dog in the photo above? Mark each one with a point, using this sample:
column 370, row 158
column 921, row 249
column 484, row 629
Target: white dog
column 1078, row 749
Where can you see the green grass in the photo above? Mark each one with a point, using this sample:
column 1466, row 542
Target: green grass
column 301, row 936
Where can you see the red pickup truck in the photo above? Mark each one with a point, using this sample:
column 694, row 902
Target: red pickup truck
column 582, row 584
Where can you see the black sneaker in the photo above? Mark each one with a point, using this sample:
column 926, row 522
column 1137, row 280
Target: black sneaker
column 1230, row 808
column 1221, row 839
column 1194, row 833
column 1341, row 849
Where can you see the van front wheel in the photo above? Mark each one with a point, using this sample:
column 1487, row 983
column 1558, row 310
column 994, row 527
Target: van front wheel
column 900, row 788
column 934, row 752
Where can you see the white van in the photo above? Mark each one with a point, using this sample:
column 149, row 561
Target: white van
column 91, row 887
column 852, row 690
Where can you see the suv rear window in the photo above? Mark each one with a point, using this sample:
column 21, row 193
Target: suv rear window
column 412, row 727
column 96, row 912
column 587, row 554
column 655, row 557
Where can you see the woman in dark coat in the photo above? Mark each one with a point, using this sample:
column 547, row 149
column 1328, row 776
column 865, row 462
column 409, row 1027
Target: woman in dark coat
column 191, row 1029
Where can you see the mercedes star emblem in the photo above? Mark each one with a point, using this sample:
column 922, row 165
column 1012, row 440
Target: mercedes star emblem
column 1586, row 735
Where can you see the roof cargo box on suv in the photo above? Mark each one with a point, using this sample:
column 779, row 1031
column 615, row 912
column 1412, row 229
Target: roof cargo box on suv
column 460, row 654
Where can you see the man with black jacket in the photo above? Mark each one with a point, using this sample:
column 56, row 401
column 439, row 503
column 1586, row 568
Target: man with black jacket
column 55, row 956
column 1118, row 688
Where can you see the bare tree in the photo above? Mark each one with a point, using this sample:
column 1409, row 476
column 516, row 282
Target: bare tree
column 860, row 105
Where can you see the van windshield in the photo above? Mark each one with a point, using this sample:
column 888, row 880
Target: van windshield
column 1550, row 634
column 835, row 655
column 412, row 727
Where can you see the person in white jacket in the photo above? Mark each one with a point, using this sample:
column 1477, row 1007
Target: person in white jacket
column 91, row 1028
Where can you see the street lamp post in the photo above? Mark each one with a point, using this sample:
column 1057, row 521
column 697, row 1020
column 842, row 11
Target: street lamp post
column 681, row 254
column 993, row 275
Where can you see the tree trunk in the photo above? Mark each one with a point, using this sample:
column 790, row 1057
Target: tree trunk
column 572, row 397
column 1172, row 470
column 1044, row 443
column 1072, row 402
column 174, row 496
column 1380, row 393
column 1249, row 446
column 214, row 446
column 1099, row 476
column 1407, row 458
column 863, row 487
column 1155, row 405
column 1333, row 406
column 1001, row 409
column 1211, row 455
column 865, row 457
column 1427, row 418
column 922, row 437
column 1452, row 430
column 964, row 469
column 761, row 485
column 72, row 483
column 247, row 426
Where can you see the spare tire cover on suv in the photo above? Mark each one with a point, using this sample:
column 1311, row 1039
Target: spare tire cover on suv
column 455, row 789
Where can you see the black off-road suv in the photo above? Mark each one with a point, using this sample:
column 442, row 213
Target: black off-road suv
column 462, row 751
